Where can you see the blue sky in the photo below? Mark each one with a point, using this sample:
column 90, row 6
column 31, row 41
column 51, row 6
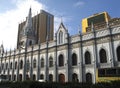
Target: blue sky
column 12, row 12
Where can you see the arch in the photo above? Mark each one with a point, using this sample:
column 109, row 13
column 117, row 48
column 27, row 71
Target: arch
column 16, row 65
column 41, row 76
column 118, row 53
column 34, row 77
column 50, row 78
column 87, row 57
column 2, row 66
column 103, row 56
column 61, row 60
column 50, row 61
column 74, row 77
column 61, row 78
column 6, row 66
column 14, row 77
column 30, row 42
column 42, row 63
column 74, row 59
column 60, row 37
column 20, row 77
column 27, row 65
column 11, row 65
column 89, row 78
column 10, row 79
column 27, row 77
column 34, row 63
column 21, row 64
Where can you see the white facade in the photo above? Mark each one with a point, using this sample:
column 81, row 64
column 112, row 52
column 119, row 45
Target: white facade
column 66, row 58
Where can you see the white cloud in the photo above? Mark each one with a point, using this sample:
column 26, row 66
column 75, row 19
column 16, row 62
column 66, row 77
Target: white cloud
column 9, row 20
column 79, row 4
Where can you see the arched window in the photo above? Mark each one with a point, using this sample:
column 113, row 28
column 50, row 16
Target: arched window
column 41, row 76
column 27, row 65
column 118, row 53
column 61, row 60
column 89, row 78
column 103, row 57
column 6, row 65
column 50, row 62
column 2, row 66
column 15, row 65
column 11, row 65
column 60, row 37
column 30, row 42
column 42, row 62
column 21, row 64
column 74, row 59
column 87, row 58
column 34, row 63
column 50, row 78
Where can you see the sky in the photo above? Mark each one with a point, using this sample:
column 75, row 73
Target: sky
column 71, row 12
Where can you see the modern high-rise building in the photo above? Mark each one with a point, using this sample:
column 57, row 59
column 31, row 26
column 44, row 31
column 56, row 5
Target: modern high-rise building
column 40, row 27
column 94, row 20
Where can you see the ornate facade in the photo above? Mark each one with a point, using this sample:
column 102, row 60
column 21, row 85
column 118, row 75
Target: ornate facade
column 66, row 58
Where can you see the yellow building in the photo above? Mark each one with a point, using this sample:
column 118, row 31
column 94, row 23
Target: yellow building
column 96, row 18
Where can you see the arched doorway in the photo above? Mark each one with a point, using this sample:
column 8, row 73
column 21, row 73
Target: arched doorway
column 74, row 77
column 27, row 77
column 61, row 78
column 34, row 77
column 89, row 78
column 20, row 77
column 50, row 78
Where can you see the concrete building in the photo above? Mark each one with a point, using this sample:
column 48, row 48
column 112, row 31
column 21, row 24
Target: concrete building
column 66, row 58
column 42, row 25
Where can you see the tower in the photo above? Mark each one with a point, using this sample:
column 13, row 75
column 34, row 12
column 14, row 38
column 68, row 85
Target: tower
column 27, row 35
column 42, row 24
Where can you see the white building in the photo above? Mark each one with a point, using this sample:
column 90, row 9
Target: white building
column 66, row 58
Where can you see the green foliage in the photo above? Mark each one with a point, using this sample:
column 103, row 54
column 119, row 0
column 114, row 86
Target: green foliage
column 35, row 84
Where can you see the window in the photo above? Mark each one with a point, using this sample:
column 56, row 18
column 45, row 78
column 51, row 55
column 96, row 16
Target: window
column 41, row 76
column 42, row 62
column 60, row 37
column 11, row 65
column 50, row 62
column 34, row 63
column 89, row 78
column 103, row 57
column 61, row 60
column 15, row 65
column 50, row 78
column 6, row 65
column 74, row 77
column 74, row 59
column 27, row 65
column 21, row 64
column 87, row 58
column 30, row 43
column 118, row 53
